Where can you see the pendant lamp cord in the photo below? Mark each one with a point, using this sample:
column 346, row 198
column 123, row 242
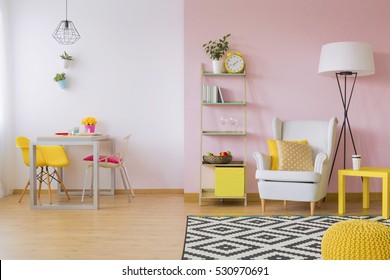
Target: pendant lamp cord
column 66, row 10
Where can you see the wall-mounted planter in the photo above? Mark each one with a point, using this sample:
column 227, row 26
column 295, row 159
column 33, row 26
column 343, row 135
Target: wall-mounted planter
column 67, row 59
column 60, row 78
column 63, row 84
column 67, row 63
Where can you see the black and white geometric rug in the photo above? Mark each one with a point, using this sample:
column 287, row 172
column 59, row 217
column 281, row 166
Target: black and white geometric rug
column 259, row 237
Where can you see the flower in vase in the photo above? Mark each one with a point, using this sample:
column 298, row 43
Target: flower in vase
column 89, row 121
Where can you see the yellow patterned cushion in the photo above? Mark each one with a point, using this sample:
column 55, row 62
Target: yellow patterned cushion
column 273, row 151
column 356, row 240
column 294, row 156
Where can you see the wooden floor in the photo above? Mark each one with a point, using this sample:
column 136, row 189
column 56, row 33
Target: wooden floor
column 150, row 227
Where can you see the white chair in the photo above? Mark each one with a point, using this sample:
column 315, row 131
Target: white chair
column 306, row 186
column 116, row 160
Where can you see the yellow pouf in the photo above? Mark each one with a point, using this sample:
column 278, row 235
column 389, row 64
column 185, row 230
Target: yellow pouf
column 356, row 240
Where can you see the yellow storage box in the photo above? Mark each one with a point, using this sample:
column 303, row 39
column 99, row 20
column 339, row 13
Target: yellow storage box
column 229, row 181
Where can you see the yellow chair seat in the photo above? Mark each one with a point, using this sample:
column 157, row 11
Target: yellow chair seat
column 356, row 240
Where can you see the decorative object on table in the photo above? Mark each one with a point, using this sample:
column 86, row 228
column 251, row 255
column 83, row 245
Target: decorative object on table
column 60, row 78
column 61, row 133
column 116, row 160
column 66, row 33
column 222, row 158
column 89, row 124
column 356, row 162
column 346, row 59
column 234, row 63
column 356, row 240
column 289, row 237
column 216, row 50
column 67, row 59
column 293, row 181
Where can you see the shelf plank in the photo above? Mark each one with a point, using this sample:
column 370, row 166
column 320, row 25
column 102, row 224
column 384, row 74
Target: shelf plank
column 233, row 163
column 224, row 133
column 205, row 73
column 225, row 103
column 210, row 194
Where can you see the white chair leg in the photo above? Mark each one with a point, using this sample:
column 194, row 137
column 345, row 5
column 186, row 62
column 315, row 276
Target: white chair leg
column 128, row 181
column 124, row 180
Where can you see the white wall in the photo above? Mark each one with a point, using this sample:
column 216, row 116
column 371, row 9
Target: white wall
column 128, row 73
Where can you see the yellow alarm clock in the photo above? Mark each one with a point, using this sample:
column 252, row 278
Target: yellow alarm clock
column 234, row 63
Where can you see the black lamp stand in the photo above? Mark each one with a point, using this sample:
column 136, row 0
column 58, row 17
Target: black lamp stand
column 346, row 103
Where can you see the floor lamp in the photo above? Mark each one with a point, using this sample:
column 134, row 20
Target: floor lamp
column 346, row 60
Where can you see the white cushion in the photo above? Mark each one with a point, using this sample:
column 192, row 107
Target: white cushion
column 288, row 176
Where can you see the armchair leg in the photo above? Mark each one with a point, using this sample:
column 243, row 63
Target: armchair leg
column 312, row 206
column 285, row 204
column 262, row 205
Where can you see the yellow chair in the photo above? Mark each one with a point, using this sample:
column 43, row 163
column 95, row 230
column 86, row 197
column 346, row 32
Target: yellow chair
column 46, row 156
column 23, row 144
column 116, row 160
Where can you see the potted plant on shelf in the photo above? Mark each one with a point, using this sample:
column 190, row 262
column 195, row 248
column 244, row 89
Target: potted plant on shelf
column 216, row 50
column 60, row 78
column 67, row 59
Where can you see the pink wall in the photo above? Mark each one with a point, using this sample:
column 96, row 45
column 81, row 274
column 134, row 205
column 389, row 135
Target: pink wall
column 281, row 43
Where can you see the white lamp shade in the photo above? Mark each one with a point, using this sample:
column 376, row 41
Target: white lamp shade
column 339, row 57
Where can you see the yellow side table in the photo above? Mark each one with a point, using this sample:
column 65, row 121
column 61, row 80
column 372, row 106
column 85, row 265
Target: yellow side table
column 366, row 173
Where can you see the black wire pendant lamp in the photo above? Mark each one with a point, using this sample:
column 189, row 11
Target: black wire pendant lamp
column 66, row 33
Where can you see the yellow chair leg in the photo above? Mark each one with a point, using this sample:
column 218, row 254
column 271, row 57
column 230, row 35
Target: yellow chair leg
column 262, row 205
column 61, row 183
column 24, row 190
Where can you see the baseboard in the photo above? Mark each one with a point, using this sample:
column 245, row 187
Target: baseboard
column 120, row 191
column 330, row 197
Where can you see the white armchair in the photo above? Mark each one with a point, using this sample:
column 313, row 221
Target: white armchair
column 306, row 186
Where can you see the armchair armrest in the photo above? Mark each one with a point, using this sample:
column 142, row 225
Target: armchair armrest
column 263, row 161
column 319, row 162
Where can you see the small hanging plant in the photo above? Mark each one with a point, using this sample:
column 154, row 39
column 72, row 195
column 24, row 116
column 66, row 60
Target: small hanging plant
column 66, row 56
column 67, row 59
column 60, row 78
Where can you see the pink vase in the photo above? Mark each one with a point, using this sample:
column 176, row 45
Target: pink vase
column 90, row 128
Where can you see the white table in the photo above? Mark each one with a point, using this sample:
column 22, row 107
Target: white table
column 67, row 140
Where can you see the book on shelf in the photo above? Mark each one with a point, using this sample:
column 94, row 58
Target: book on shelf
column 220, row 96
column 212, row 94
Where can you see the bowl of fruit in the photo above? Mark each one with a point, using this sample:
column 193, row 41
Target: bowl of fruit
column 222, row 158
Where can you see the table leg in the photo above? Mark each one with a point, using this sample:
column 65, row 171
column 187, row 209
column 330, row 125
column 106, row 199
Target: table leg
column 33, row 179
column 385, row 197
column 341, row 186
column 366, row 192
